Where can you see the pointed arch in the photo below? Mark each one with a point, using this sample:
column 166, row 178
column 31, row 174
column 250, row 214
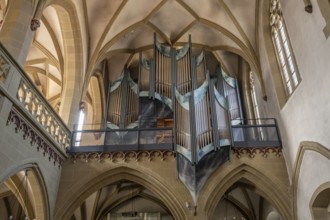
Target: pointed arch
column 72, row 77
column 268, row 187
column 320, row 202
column 38, row 188
column 165, row 192
column 304, row 147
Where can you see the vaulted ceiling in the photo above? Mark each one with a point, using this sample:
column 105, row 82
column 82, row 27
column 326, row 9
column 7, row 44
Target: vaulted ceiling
column 113, row 32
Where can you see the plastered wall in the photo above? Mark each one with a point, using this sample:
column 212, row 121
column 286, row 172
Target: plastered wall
column 305, row 115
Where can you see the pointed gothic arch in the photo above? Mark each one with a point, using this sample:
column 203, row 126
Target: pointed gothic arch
column 304, row 147
column 72, row 76
column 266, row 186
column 39, row 208
column 161, row 190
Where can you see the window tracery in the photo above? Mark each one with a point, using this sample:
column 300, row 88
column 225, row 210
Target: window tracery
column 286, row 61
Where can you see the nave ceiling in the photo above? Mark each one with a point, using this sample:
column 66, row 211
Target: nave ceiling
column 112, row 33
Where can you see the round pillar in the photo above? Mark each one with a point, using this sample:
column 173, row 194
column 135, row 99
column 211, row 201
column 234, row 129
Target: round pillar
column 246, row 95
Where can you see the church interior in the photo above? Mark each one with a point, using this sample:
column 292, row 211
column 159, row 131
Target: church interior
column 164, row 110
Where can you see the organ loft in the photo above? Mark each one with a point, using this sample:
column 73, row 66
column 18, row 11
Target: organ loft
column 164, row 110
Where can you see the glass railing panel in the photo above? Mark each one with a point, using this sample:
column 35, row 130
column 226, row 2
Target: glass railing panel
column 122, row 139
column 88, row 138
column 256, row 133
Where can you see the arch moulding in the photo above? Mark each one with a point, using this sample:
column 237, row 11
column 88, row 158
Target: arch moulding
column 268, row 186
column 303, row 148
column 164, row 192
column 38, row 186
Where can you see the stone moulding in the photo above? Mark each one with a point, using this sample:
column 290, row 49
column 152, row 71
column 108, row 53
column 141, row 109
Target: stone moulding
column 126, row 156
column 123, row 156
column 44, row 114
column 253, row 151
column 4, row 68
column 36, row 139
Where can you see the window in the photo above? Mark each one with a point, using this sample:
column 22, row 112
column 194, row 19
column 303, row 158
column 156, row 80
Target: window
column 286, row 60
column 80, row 127
column 254, row 97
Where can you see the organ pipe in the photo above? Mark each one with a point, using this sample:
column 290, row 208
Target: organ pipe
column 180, row 80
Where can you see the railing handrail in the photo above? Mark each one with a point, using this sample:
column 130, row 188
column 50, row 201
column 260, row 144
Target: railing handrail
column 122, row 129
column 246, row 139
column 253, row 126
column 35, row 90
column 253, row 119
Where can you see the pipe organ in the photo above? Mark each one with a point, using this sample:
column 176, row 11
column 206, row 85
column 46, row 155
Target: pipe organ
column 123, row 102
column 202, row 107
column 162, row 70
column 228, row 87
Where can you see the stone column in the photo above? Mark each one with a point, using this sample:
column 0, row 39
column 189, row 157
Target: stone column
column 244, row 81
column 16, row 34
column 248, row 108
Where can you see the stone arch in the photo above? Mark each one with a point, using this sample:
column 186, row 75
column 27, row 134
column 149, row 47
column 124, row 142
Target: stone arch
column 304, row 147
column 163, row 191
column 320, row 202
column 72, row 77
column 268, row 187
column 97, row 99
column 38, row 189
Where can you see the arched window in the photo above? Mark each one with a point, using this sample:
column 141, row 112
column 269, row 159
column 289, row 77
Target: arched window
column 80, row 125
column 286, row 61
column 254, row 96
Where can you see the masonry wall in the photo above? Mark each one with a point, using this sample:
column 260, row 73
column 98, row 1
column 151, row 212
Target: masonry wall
column 305, row 115
column 17, row 154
